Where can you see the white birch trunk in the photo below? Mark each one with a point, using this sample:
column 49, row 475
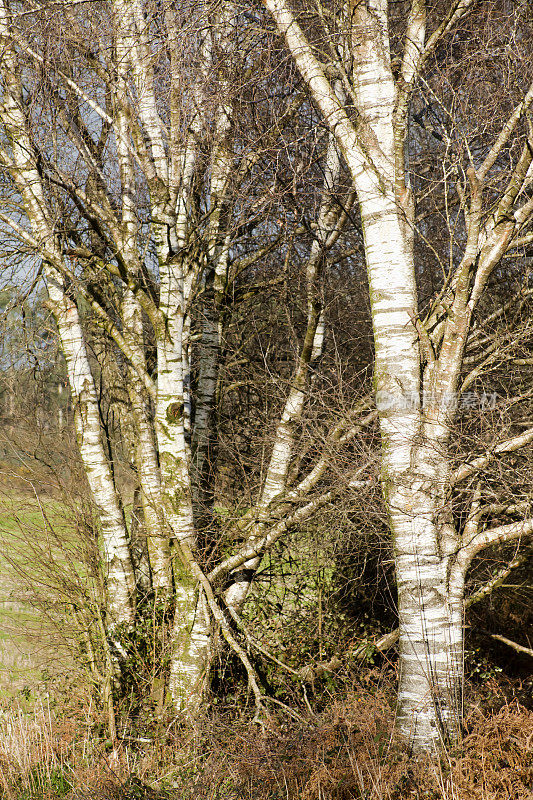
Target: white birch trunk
column 117, row 558
column 413, row 476
column 431, row 558
column 126, row 42
column 430, row 605
column 192, row 633
column 431, row 654
column 146, row 460
column 174, row 513
column 120, row 579
column 192, row 646
column 171, row 414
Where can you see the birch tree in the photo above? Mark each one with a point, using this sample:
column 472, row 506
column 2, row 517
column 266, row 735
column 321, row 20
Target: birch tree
column 172, row 173
column 145, row 200
column 385, row 57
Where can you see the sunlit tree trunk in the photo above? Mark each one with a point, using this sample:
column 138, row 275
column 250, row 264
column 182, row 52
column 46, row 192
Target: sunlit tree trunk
column 429, row 631
column 119, row 574
column 170, row 176
column 143, row 175
column 416, row 374
column 147, row 461
column 118, row 565
column 191, row 635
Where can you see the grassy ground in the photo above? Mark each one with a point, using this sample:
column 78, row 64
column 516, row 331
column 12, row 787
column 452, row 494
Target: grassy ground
column 29, row 528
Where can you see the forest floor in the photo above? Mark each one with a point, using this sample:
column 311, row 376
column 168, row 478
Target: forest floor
column 333, row 742
column 346, row 750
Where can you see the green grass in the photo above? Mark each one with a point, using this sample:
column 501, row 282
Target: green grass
column 27, row 527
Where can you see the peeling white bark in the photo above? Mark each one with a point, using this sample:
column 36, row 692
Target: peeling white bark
column 147, row 463
column 173, row 452
column 119, row 570
column 178, row 276
column 431, row 557
column 145, row 447
column 430, row 634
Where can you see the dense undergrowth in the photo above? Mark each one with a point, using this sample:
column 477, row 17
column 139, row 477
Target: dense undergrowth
column 346, row 751
column 330, row 738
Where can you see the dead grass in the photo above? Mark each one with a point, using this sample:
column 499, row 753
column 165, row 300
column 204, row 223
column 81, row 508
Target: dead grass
column 350, row 753
column 345, row 752
column 35, row 758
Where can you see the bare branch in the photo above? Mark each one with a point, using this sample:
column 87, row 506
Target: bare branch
column 505, row 134
column 491, row 536
column 509, row 446
column 528, row 651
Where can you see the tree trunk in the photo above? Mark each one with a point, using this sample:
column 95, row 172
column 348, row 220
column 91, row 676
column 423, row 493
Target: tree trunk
column 191, row 636
column 431, row 658
column 431, row 631
column 117, row 557
column 119, row 573
column 191, row 647
column 412, row 475
column 146, row 459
